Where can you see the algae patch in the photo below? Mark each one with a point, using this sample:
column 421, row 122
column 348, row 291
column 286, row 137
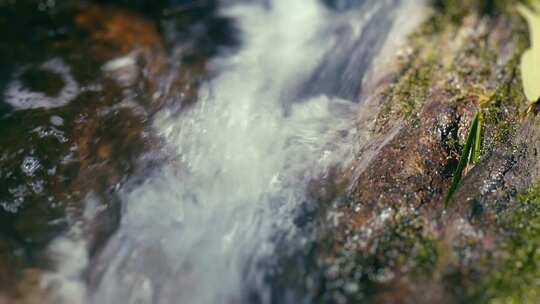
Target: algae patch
column 516, row 270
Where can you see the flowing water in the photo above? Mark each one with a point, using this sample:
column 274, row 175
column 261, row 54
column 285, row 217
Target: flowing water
column 279, row 113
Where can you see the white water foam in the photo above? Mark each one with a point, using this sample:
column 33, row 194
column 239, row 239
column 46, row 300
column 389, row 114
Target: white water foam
column 194, row 231
column 242, row 169
column 22, row 98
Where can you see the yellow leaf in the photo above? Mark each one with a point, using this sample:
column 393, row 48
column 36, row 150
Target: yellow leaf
column 530, row 61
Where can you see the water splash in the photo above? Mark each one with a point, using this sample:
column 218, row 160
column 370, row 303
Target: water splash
column 196, row 229
column 193, row 233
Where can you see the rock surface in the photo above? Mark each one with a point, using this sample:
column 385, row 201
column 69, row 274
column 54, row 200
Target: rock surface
column 387, row 238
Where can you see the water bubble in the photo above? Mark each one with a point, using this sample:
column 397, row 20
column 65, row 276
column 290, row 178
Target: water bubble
column 30, row 165
column 52, row 171
column 57, row 120
column 37, row 186
column 18, row 194
column 11, row 207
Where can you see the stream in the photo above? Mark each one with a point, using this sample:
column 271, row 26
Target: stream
column 279, row 113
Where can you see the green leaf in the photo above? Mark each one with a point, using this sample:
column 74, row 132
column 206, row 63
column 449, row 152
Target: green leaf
column 530, row 61
column 466, row 155
column 477, row 145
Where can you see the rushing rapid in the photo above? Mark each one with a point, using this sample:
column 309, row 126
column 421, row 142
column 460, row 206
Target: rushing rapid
column 279, row 113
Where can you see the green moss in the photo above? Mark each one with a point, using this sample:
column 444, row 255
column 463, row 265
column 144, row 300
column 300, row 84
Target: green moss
column 472, row 68
column 413, row 88
column 409, row 93
column 454, row 11
column 508, row 101
column 472, row 76
column 425, row 257
column 515, row 275
column 401, row 251
column 405, row 250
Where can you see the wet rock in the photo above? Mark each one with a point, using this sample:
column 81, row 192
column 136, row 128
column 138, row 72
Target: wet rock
column 392, row 241
column 74, row 117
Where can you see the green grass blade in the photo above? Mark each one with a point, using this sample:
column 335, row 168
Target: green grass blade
column 463, row 160
column 477, row 145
